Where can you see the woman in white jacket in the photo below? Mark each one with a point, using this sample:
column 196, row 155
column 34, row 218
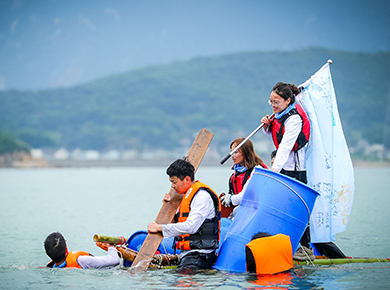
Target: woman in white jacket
column 290, row 130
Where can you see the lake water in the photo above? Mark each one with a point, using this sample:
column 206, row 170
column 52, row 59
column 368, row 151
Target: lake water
column 81, row 202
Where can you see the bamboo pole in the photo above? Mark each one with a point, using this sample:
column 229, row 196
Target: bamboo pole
column 118, row 240
column 340, row 261
column 127, row 253
column 158, row 261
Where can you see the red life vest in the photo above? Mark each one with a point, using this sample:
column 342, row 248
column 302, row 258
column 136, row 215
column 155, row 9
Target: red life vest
column 277, row 128
column 71, row 259
column 238, row 179
column 207, row 237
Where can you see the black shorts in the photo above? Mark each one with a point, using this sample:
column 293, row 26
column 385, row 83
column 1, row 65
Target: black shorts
column 197, row 261
column 299, row 175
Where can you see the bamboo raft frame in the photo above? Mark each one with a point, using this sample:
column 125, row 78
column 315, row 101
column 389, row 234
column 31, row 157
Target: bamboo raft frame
column 327, row 261
column 170, row 261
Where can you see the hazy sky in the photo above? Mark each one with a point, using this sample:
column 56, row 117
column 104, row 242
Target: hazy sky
column 48, row 43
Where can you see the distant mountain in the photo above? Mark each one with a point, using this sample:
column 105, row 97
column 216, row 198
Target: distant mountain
column 10, row 144
column 164, row 106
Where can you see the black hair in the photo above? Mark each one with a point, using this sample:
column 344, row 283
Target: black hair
column 273, row 153
column 181, row 168
column 261, row 235
column 55, row 246
column 286, row 91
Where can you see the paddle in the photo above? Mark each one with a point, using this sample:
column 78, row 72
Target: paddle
column 243, row 142
column 168, row 209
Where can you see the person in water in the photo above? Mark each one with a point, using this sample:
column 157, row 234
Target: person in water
column 267, row 254
column 57, row 250
column 290, row 131
column 244, row 160
column 197, row 228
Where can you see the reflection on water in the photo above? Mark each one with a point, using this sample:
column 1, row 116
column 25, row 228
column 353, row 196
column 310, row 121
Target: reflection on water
column 361, row 276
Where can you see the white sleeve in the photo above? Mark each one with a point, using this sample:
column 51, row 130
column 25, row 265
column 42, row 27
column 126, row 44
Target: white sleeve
column 236, row 198
column 267, row 132
column 293, row 126
column 98, row 262
column 202, row 207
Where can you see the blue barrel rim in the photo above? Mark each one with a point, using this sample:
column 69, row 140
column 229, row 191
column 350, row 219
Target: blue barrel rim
column 289, row 187
column 136, row 234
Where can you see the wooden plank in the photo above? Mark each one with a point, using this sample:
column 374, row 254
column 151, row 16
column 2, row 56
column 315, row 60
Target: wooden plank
column 168, row 209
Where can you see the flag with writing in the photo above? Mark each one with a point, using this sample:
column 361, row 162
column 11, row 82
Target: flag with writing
column 328, row 162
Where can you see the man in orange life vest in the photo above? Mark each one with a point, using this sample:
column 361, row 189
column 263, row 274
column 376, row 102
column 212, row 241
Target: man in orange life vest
column 57, row 250
column 267, row 254
column 198, row 219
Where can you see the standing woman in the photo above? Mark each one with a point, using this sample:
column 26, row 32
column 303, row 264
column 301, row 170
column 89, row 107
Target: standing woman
column 290, row 130
column 244, row 160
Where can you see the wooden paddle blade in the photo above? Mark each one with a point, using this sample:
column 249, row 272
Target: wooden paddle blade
column 199, row 147
column 168, row 209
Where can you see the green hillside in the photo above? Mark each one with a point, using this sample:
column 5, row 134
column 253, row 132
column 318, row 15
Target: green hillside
column 164, row 106
column 10, row 144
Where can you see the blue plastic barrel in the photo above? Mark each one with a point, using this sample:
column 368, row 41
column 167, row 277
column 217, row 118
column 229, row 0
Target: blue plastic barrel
column 272, row 203
column 225, row 225
column 136, row 240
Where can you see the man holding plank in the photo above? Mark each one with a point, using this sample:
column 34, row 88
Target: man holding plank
column 198, row 220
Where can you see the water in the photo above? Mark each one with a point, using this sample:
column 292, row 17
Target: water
column 119, row 201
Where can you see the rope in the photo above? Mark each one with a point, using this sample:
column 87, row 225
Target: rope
column 165, row 250
column 121, row 261
column 308, row 258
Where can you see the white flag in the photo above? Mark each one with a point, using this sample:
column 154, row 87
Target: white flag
column 328, row 162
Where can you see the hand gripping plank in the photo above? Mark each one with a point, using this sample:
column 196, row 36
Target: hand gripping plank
column 168, row 209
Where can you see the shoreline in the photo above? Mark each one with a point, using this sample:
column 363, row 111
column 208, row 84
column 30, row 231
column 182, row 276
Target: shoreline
column 32, row 163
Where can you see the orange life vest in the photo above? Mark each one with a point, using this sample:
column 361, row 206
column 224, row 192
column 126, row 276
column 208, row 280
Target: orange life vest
column 207, row 237
column 271, row 254
column 71, row 259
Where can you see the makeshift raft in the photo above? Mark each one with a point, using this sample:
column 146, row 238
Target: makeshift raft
column 170, row 261
column 287, row 211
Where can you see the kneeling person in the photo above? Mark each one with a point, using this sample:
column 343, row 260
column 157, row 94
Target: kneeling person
column 198, row 219
column 267, row 254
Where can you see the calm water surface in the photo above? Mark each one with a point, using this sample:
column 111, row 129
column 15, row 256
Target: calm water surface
column 119, row 201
